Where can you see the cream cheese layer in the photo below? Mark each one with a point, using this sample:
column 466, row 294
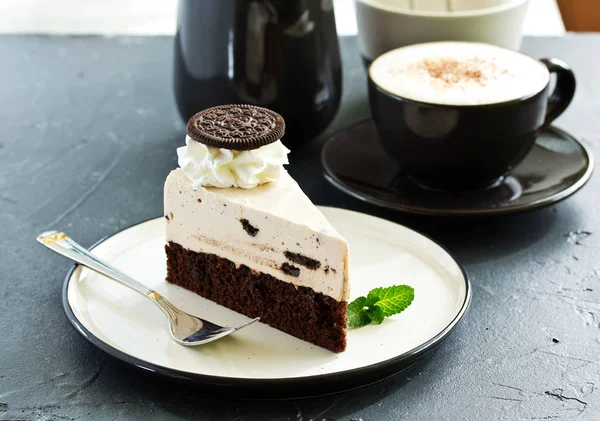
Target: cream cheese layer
column 273, row 228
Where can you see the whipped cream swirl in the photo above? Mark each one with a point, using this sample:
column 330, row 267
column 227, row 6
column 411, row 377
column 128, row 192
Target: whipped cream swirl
column 216, row 167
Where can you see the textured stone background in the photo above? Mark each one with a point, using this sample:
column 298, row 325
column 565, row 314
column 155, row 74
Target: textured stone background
column 88, row 131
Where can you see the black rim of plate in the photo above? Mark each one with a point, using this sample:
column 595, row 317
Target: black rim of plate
column 416, row 210
column 278, row 388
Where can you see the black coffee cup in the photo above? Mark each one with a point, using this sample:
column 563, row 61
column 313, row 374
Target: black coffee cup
column 462, row 147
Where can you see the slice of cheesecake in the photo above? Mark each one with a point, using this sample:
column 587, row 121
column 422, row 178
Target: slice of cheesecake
column 265, row 250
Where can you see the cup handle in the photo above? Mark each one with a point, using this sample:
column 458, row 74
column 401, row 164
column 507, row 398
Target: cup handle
column 563, row 93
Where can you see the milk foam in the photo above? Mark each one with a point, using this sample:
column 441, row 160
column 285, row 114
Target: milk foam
column 458, row 73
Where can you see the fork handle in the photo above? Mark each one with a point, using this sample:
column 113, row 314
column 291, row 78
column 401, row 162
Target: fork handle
column 63, row 244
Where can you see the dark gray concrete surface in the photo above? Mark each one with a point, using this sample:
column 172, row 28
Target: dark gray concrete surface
column 88, row 130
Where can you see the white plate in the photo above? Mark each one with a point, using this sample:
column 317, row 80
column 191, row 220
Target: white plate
column 260, row 358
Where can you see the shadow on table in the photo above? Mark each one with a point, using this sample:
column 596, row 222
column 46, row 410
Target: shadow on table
column 196, row 403
column 472, row 240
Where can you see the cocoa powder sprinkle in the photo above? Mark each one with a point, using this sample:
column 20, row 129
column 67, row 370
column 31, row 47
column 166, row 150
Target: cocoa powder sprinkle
column 453, row 71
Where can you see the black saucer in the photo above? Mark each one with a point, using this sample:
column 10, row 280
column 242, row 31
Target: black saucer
column 557, row 166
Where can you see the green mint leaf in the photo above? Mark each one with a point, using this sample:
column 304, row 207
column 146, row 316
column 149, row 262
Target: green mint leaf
column 376, row 315
column 394, row 299
column 357, row 313
column 378, row 304
column 372, row 297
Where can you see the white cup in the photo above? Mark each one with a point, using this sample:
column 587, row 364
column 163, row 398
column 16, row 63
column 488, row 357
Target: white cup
column 387, row 24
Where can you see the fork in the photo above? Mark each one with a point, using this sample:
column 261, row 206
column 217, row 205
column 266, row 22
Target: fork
column 185, row 329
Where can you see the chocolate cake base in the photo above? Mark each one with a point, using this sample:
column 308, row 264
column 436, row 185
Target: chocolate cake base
column 297, row 310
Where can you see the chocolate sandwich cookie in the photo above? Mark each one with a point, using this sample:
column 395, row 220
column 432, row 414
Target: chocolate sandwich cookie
column 238, row 127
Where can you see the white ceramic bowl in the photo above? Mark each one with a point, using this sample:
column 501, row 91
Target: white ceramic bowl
column 387, row 24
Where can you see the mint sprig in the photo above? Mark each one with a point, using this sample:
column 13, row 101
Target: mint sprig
column 378, row 304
